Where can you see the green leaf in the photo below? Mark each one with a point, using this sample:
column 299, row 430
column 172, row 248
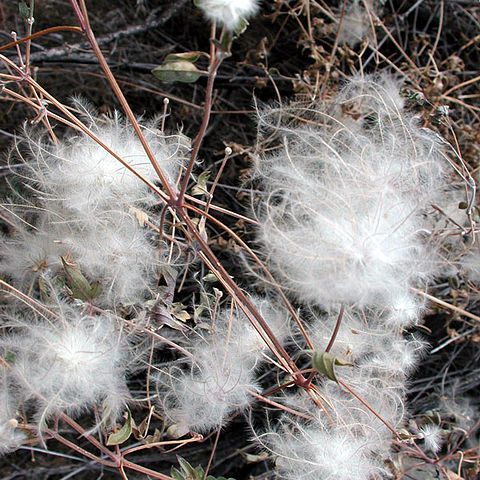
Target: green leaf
column 210, row 278
column 123, row 434
column 190, row 473
column 157, row 435
column 10, row 358
column 204, row 302
column 210, row 477
column 185, row 466
column 225, row 45
column 288, row 379
column 191, row 57
column 176, row 431
column 242, row 26
column 176, row 474
column 44, row 295
column 201, row 187
column 252, row 458
column 405, row 434
column 96, row 290
column 24, row 10
column 325, row 363
column 179, row 312
column 79, row 285
column 178, row 71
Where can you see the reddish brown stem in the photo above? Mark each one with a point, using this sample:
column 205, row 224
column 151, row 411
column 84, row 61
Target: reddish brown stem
column 89, row 437
column 203, row 128
column 336, row 329
column 260, row 264
column 245, row 304
column 214, row 449
column 46, row 31
column 365, row 404
column 80, row 450
column 81, row 13
column 144, row 470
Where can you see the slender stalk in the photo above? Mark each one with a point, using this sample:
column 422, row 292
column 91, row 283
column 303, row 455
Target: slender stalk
column 365, row 404
column 89, row 437
column 245, row 304
column 336, row 329
column 214, row 449
column 280, row 406
column 446, row 305
column 81, row 12
column 41, row 33
column 144, row 470
column 80, row 450
column 228, row 152
column 159, row 444
column 261, row 265
column 216, row 59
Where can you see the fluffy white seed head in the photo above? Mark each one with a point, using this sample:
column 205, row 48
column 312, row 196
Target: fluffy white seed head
column 343, row 215
column 115, row 250
column 119, row 254
column 228, row 13
column 355, row 24
column 203, row 390
column 431, row 434
column 90, row 208
column 28, row 253
column 361, row 332
column 309, row 451
column 69, row 364
column 213, row 389
column 85, row 179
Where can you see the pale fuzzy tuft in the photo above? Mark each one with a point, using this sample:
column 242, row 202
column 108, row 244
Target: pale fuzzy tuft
column 228, row 13
column 343, row 214
column 84, row 178
column 217, row 384
column 432, row 437
column 347, row 441
column 309, row 451
column 10, row 436
column 119, row 255
column 355, row 24
column 395, row 356
column 344, row 223
column 405, row 310
column 380, row 361
column 91, row 209
column 366, row 334
column 115, row 251
column 28, row 254
column 69, row 364
column 219, row 376
column 470, row 264
column 356, row 336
